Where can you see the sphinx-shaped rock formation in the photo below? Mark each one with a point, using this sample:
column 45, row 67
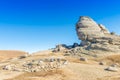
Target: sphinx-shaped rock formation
column 95, row 38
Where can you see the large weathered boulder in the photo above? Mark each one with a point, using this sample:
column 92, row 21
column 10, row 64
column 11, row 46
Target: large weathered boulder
column 88, row 28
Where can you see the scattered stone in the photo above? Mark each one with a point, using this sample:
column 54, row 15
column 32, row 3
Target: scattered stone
column 23, row 56
column 101, row 63
column 83, row 59
column 40, row 62
column 30, row 64
column 37, row 65
column 7, row 67
column 33, row 60
column 114, row 69
column 113, row 65
column 52, row 60
column 65, row 62
column 34, row 70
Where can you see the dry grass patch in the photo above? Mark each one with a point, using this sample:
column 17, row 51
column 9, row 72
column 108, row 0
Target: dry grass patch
column 112, row 59
column 7, row 54
column 50, row 75
column 75, row 60
column 116, row 77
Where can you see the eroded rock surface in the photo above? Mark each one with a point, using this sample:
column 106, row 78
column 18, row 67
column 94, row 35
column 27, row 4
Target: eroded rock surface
column 88, row 28
column 94, row 38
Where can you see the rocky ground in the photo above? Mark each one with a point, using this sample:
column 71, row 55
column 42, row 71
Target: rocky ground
column 58, row 66
column 97, row 57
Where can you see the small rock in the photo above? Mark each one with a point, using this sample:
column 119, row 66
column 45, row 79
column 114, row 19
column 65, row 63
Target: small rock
column 34, row 70
column 113, row 65
column 83, row 59
column 22, row 57
column 40, row 62
column 114, row 69
column 30, row 64
column 58, row 60
column 65, row 62
column 101, row 63
column 7, row 67
column 33, row 60
column 52, row 60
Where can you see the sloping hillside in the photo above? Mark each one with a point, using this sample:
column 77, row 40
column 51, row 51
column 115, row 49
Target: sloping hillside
column 7, row 54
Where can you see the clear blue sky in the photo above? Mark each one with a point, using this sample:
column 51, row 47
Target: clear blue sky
column 33, row 25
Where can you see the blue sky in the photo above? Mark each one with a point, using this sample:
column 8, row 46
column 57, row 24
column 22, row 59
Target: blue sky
column 33, row 25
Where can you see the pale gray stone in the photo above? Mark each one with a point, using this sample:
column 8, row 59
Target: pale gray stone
column 114, row 69
column 86, row 27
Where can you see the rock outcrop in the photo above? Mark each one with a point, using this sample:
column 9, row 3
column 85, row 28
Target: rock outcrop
column 94, row 38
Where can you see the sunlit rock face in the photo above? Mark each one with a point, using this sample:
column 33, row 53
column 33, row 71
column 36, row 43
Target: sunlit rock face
column 88, row 28
column 103, row 29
